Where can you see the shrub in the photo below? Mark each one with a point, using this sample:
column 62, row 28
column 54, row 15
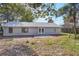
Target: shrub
column 77, row 37
column 32, row 43
column 27, row 41
column 34, row 46
column 49, row 42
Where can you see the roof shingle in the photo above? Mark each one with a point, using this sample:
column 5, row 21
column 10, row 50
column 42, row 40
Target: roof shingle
column 29, row 24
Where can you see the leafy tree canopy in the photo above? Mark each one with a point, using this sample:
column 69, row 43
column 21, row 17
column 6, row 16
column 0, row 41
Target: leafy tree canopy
column 13, row 11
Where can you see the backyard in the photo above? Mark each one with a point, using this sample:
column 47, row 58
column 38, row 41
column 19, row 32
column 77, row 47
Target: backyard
column 39, row 46
column 17, row 16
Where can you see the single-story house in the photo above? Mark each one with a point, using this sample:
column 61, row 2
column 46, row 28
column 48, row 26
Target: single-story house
column 30, row 28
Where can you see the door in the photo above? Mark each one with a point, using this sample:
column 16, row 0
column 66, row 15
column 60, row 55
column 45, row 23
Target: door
column 41, row 30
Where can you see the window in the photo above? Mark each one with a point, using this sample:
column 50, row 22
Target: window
column 24, row 30
column 41, row 30
column 10, row 29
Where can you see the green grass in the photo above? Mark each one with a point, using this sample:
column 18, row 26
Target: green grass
column 49, row 42
column 69, row 43
column 64, row 41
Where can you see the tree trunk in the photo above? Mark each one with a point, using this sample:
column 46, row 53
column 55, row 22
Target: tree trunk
column 74, row 19
column 75, row 27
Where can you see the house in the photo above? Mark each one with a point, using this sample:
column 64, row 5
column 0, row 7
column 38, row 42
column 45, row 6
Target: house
column 68, row 26
column 30, row 28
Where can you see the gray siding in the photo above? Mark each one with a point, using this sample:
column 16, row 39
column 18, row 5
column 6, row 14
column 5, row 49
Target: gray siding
column 32, row 31
column 17, row 31
column 52, row 30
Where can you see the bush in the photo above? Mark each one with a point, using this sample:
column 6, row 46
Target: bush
column 49, row 42
column 77, row 37
column 34, row 46
column 27, row 41
column 32, row 43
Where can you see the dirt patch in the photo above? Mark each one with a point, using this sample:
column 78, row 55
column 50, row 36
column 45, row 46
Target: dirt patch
column 17, row 50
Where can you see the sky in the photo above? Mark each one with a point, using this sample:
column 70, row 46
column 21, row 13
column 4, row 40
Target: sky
column 58, row 20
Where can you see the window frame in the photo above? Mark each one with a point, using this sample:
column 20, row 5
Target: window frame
column 24, row 30
column 10, row 30
column 42, row 30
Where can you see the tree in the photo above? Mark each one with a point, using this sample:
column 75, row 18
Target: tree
column 35, row 9
column 11, row 11
column 34, row 5
column 43, row 10
column 49, row 8
column 28, row 16
column 70, row 10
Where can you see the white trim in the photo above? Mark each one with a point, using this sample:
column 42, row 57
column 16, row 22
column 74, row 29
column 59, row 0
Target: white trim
column 26, row 28
column 41, row 30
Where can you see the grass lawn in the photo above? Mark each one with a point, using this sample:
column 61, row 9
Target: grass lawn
column 45, row 46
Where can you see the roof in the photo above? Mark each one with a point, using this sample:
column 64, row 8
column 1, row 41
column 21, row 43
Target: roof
column 29, row 24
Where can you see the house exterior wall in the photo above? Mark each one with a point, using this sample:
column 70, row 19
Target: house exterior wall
column 31, row 31
column 52, row 30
